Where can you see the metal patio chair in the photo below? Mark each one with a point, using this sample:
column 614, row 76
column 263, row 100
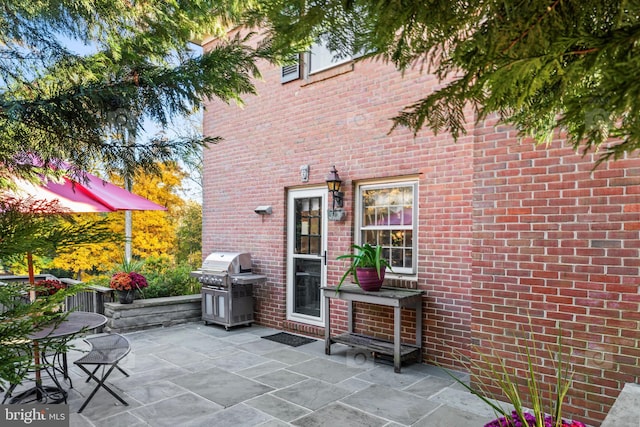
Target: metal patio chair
column 106, row 352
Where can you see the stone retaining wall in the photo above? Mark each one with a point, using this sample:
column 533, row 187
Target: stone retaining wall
column 152, row 313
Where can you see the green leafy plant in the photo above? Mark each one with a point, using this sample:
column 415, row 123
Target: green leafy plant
column 546, row 400
column 19, row 318
column 367, row 256
column 172, row 281
column 130, row 265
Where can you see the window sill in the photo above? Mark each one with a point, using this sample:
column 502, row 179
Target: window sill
column 329, row 73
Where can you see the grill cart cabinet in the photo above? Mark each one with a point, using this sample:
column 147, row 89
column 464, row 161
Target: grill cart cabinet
column 230, row 305
column 227, row 288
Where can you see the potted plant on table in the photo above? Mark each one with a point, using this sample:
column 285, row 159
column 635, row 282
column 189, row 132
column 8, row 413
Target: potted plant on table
column 367, row 267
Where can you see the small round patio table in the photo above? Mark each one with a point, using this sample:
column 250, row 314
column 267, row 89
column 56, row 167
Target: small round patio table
column 53, row 337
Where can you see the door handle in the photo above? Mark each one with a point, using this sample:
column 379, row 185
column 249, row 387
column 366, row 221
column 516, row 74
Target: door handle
column 324, row 256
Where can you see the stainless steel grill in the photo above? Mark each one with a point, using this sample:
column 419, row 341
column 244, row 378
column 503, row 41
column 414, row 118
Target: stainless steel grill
column 227, row 288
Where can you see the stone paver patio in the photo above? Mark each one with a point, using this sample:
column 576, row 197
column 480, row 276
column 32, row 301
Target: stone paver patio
column 197, row 375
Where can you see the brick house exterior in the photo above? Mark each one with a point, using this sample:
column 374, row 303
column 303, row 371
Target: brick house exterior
column 505, row 229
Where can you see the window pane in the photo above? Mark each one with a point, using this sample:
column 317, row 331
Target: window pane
column 397, row 258
column 320, row 57
column 314, row 245
column 304, row 245
column 369, row 216
column 397, row 238
column 307, row 287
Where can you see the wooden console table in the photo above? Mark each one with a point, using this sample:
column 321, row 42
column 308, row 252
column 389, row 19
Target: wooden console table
column 392, row 297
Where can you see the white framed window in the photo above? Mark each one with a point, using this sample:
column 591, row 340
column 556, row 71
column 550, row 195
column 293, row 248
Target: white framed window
column 387, row 216
column 320, row 58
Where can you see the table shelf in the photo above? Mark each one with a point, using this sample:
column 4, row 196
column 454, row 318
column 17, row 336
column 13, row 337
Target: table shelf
column 377, row 346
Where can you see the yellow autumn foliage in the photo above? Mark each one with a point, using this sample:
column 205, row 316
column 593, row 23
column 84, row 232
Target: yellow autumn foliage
column 153, row 232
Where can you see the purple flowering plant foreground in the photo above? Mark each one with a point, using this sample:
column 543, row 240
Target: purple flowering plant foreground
column 529, row 421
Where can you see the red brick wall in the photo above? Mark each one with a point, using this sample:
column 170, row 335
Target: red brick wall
column 558, row 242
column 507, row 230
column 341, row 118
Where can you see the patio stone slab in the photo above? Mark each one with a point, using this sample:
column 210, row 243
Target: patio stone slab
column 429, row 386
column 280, row 379
column 125, row 419
column 353, row 384
column 102, row 405
column 260, row 346
column 463, row 400
column 150, row 376
column 385, row 375
column 312, row 394
column 447, row 416
column 218, row 331
column 262, row 369
column 288, row 356
column 222, row 387
column 135, row 363
column 276, row 407
column 206, row 345
column 326, row 370
column 395, row 405
column 238, row 361
column 240, row 338
column 176, row 411
column 154, row 392
column 236, row 416
column 339, row 415
column 274, row 423
column 180, row 356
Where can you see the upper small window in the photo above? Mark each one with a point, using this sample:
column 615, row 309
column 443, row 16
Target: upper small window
column 321, row 58
column 317, row 59
column 387, row 217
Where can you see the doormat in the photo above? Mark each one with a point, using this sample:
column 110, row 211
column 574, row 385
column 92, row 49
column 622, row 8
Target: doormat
column 289, row 339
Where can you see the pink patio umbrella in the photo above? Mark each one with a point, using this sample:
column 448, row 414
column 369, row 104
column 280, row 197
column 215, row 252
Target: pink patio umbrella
column 93, row 194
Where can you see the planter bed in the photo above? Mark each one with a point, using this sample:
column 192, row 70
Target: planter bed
column 152, row 313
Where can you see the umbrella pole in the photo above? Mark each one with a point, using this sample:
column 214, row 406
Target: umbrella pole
column 127, row 235
column 36, row 350
column 32, row 277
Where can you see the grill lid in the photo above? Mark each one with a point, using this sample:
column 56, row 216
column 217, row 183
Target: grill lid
column 227, row 263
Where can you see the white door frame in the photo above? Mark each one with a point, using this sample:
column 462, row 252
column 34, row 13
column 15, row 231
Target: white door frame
column 322, row 193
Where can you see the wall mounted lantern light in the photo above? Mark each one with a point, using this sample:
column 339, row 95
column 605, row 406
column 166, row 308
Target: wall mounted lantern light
column 333, row 184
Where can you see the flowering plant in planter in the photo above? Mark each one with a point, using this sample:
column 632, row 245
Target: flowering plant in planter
column 525, row 385
column 48, row 287
column 123, row 281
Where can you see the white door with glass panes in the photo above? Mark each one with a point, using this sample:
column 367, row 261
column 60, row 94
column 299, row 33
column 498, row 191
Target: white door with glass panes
column 306, row 255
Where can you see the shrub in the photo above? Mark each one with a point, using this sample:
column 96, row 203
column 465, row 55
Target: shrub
column 172, row 282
